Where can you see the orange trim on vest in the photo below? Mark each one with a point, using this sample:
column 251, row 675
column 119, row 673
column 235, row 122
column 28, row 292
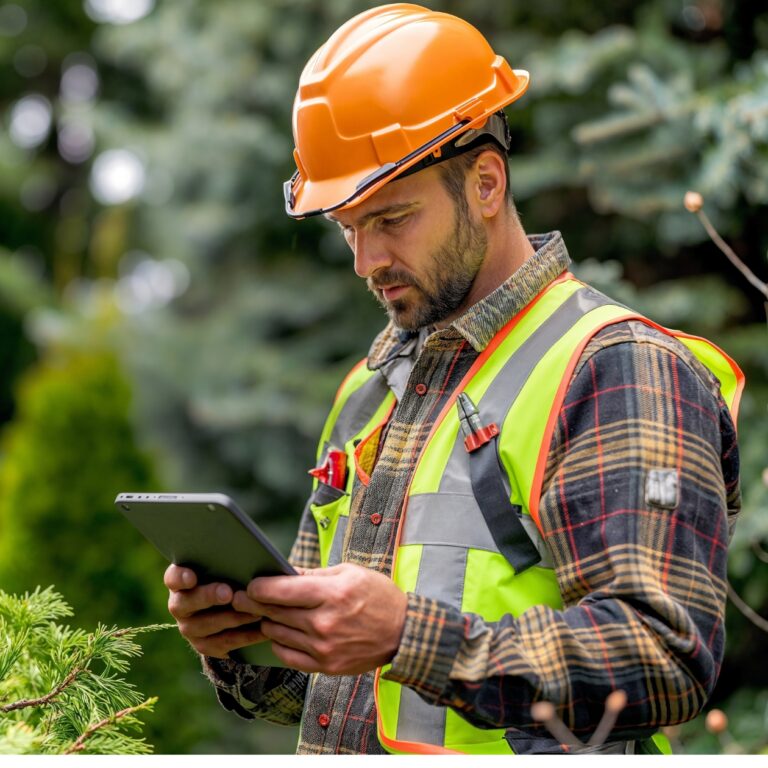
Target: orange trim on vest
column 414, row 747
column 348, row 377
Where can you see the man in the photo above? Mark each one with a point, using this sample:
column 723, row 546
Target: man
column 526, row 492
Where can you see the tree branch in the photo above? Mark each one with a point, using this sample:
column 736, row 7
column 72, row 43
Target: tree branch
column 23, row 703
column 79, row 745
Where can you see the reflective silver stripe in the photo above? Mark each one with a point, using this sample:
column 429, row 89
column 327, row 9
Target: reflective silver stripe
column 504, row 389
column 397, row 373
column 447, row 519
column 334, row 556
column 452, row 516
column 441, row 573
column 441, row 577
column 419, row 721
column 358, row 410
column 455, row 520
column 509, row 382
column 456, row 478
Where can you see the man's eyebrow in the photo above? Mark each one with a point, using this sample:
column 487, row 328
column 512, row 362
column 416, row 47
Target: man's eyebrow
column 387, row 210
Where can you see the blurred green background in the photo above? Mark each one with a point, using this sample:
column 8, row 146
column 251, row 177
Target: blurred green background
column 165, row 326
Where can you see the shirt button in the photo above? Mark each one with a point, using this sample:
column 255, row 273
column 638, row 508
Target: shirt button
column 323, row 721
column 376, row 518
column 421, row 389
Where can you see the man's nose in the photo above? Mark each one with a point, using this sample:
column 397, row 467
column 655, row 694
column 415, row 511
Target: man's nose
column 370, row 252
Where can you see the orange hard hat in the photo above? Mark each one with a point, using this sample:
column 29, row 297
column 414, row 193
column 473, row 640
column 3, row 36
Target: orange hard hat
column 391, row 87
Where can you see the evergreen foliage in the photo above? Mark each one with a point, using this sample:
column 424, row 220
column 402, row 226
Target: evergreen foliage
column 62, row 690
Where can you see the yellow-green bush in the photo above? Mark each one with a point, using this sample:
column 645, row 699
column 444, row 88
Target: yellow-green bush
column 65, row 456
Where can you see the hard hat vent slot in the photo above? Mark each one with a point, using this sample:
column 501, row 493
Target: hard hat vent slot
column 390, row 143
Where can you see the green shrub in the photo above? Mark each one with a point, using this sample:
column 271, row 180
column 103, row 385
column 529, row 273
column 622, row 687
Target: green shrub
column 65, row 456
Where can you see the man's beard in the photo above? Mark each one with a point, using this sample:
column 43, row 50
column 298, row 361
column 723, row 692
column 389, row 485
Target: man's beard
column 455, row 265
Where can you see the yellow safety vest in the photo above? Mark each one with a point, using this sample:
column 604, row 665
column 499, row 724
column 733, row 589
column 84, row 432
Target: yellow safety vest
column 445, row 547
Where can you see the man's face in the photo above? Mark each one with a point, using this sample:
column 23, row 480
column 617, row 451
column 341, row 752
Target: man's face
column 417, row 248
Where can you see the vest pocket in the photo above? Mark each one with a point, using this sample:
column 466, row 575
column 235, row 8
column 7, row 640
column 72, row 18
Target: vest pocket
column 330, row 508
column 326, row 494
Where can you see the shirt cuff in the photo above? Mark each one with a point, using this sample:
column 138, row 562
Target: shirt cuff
column 432, row 634
column 223, row 674
column 275, row 694
column 219, row 671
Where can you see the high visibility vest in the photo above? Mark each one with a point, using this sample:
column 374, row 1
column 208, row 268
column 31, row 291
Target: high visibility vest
column 445, row 547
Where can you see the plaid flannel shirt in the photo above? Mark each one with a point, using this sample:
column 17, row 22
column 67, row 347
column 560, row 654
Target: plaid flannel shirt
column 643, row 585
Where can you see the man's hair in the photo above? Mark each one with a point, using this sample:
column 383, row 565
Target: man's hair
column 453, row 172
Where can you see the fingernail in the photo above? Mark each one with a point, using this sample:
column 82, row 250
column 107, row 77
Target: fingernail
column 223, row 594
column 187, row 578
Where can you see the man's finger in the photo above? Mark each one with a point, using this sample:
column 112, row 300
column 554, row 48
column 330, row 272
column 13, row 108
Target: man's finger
column 208, row 623
column 176, row 578
column 185, row 603
column 241, row 602
column 332, row 570
column 304, row 592
column 287, row 636
column 296, row 659
column 220, row 645
column 290, row 616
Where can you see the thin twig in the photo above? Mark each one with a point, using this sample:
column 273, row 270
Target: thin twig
column 731, row 254
column 752, row 615
column 79, row 745
column 759, row 552
column 23, row 703
column 615, row 702
column 545, row 712
column 693, row 202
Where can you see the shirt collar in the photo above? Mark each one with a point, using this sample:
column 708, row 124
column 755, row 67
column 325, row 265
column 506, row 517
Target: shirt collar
column 480, row 323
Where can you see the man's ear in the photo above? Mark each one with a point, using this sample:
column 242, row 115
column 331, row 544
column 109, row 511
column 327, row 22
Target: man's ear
column 489, row 179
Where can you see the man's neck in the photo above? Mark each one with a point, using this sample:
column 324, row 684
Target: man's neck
column 508, row 249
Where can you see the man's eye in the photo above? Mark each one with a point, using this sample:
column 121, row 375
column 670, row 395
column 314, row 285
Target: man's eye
column 395, row 221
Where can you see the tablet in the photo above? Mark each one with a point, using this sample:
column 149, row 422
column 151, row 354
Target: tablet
column 210, row 534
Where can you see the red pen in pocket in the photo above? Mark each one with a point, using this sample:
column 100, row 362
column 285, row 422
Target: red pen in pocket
column 333, row 471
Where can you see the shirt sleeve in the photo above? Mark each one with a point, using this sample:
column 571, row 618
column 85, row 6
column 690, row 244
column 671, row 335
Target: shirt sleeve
column 274, row 694
column 640, row 492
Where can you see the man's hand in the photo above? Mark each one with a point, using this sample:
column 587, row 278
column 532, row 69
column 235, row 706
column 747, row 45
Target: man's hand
column 205, row 616
column 343, row 620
